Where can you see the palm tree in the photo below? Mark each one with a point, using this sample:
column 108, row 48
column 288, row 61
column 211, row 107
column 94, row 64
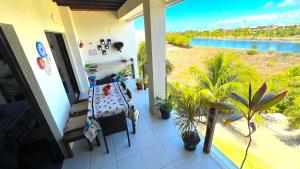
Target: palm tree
column 224, row 74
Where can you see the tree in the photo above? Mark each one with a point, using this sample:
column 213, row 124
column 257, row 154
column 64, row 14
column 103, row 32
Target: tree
column 224, row 74
column 254, row 104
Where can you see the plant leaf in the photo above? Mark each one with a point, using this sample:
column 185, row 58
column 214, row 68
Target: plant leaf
column 232, row 118
column 258, row 95
column 250, row 94
column 253, row 127
column 269, row 101
column 221, row 105
column 239, row 98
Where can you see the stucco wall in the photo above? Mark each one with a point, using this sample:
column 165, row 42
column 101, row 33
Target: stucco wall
column 30, row 19
column 91, row 26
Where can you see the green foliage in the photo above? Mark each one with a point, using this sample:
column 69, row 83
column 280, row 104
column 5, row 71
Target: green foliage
column 169, row 67
column 272, row 63
column 139, row 81
column 189, row 106
column 142, row 55
column 224, row 73
column 247, row 33
column 252, row 52
column 165, row 104
column 178, row 40
column 290, row 80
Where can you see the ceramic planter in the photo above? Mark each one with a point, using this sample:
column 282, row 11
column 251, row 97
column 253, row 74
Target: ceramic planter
column 190, row 139
column 164, row 114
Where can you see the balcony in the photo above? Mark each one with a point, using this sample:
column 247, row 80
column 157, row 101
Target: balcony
column 157, row 144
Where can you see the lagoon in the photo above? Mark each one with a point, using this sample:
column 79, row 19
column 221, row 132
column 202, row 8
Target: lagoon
column 280, row 46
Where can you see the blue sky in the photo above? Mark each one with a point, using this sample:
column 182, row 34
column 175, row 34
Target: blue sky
column 214, row 14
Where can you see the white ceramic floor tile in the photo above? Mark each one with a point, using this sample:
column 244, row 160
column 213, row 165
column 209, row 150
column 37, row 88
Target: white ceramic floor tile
column 164, row 133
column 110, row 166
column 170, row 166
column 202, row 161
column 122, row 150
column 145, row 140
column 99, row 158
column 81, row 156
column 131, row 162
column 155, row 157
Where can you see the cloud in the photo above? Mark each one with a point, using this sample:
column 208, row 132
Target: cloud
column 286, row 3
column 268, row 4
column 254, row 20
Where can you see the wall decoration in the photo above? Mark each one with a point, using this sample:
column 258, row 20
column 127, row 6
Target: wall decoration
column 40, row 62
column 99, row 47
column 108, row 41
column 44, row 60
column 118, row 46
column 103, row 52
column 106, row 46
column 40, row 49
column 81, row 44
column 92, row 52
column 102, row 42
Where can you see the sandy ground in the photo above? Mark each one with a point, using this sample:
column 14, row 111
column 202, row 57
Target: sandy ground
column 274, row 142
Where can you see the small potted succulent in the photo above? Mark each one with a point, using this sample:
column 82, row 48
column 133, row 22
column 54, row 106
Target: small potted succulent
column 165, row 106
column 139, row 84
column 106, row 90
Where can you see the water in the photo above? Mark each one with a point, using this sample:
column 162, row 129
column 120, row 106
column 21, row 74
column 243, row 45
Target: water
column 248, row 44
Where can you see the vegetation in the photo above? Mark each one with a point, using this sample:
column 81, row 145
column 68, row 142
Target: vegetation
column 165, row 104
column 269, row 33
column 224, row 73
column 142, row 59
column 252, row 52
column 290, row 79
column 179, row 40
column 254, row 104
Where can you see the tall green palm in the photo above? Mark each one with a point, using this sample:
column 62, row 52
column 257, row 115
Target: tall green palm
column 224, row 73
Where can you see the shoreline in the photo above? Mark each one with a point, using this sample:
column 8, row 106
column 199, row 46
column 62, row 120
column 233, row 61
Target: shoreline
column 261, row 40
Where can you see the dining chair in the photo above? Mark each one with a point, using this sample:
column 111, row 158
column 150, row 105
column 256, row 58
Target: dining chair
column 123, row 85
column 129, row 93
column 113, row 124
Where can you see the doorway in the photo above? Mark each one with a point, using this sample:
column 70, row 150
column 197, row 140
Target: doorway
column 63, row 63
column 26, row 140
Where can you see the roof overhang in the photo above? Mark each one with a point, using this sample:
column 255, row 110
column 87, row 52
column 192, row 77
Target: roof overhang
column 133, row 9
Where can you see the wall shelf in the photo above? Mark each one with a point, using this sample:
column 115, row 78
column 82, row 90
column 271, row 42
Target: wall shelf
column 98, row 67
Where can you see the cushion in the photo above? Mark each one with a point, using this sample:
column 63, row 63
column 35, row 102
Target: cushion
column 75, row 123
column 79, row 107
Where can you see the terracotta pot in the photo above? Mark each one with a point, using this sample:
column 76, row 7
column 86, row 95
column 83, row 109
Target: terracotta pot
column 139, row 86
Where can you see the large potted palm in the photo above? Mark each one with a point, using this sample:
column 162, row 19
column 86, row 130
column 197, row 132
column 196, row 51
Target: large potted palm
column 189, row 113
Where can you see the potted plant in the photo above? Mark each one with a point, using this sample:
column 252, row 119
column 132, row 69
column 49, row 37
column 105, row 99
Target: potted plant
column 139, row 84
column 106, row 90
column 118, row 46
column 188, row 107
column 165, row 106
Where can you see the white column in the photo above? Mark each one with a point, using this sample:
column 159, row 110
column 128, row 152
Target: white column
column 74, row 51
column 154, row 16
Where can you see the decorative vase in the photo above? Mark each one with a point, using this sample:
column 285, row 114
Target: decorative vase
column 106, row 92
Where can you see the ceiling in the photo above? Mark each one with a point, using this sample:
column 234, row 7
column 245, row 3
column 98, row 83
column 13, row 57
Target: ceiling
column 91, row 4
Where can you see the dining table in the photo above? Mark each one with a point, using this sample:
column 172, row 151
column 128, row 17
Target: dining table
column 101, row 105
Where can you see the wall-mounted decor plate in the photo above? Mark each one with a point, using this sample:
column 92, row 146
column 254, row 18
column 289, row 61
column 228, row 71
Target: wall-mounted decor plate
column 40, row 62
column 41, row 49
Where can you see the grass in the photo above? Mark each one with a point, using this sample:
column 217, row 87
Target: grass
column 236, row 154
column 252, row 52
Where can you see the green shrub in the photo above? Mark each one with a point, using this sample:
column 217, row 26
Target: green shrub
column 178, row 40
column 272, row 63
column 252, row 52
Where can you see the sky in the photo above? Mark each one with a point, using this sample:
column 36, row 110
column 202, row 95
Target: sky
column 215, row 14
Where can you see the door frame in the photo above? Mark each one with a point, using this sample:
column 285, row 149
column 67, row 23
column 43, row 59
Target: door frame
column 13, row 64
column 64, row 50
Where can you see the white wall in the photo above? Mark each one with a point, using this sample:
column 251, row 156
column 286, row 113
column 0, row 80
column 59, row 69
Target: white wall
column 30, row 19
column 91, row 26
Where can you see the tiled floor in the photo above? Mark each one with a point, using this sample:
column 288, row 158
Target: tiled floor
column 156, row 145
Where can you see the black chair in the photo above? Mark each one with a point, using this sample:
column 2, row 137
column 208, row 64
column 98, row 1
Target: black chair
column 123, row 85
column 114, row 124
column 129, row 93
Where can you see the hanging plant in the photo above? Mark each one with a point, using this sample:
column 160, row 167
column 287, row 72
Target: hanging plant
column 118, row 46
